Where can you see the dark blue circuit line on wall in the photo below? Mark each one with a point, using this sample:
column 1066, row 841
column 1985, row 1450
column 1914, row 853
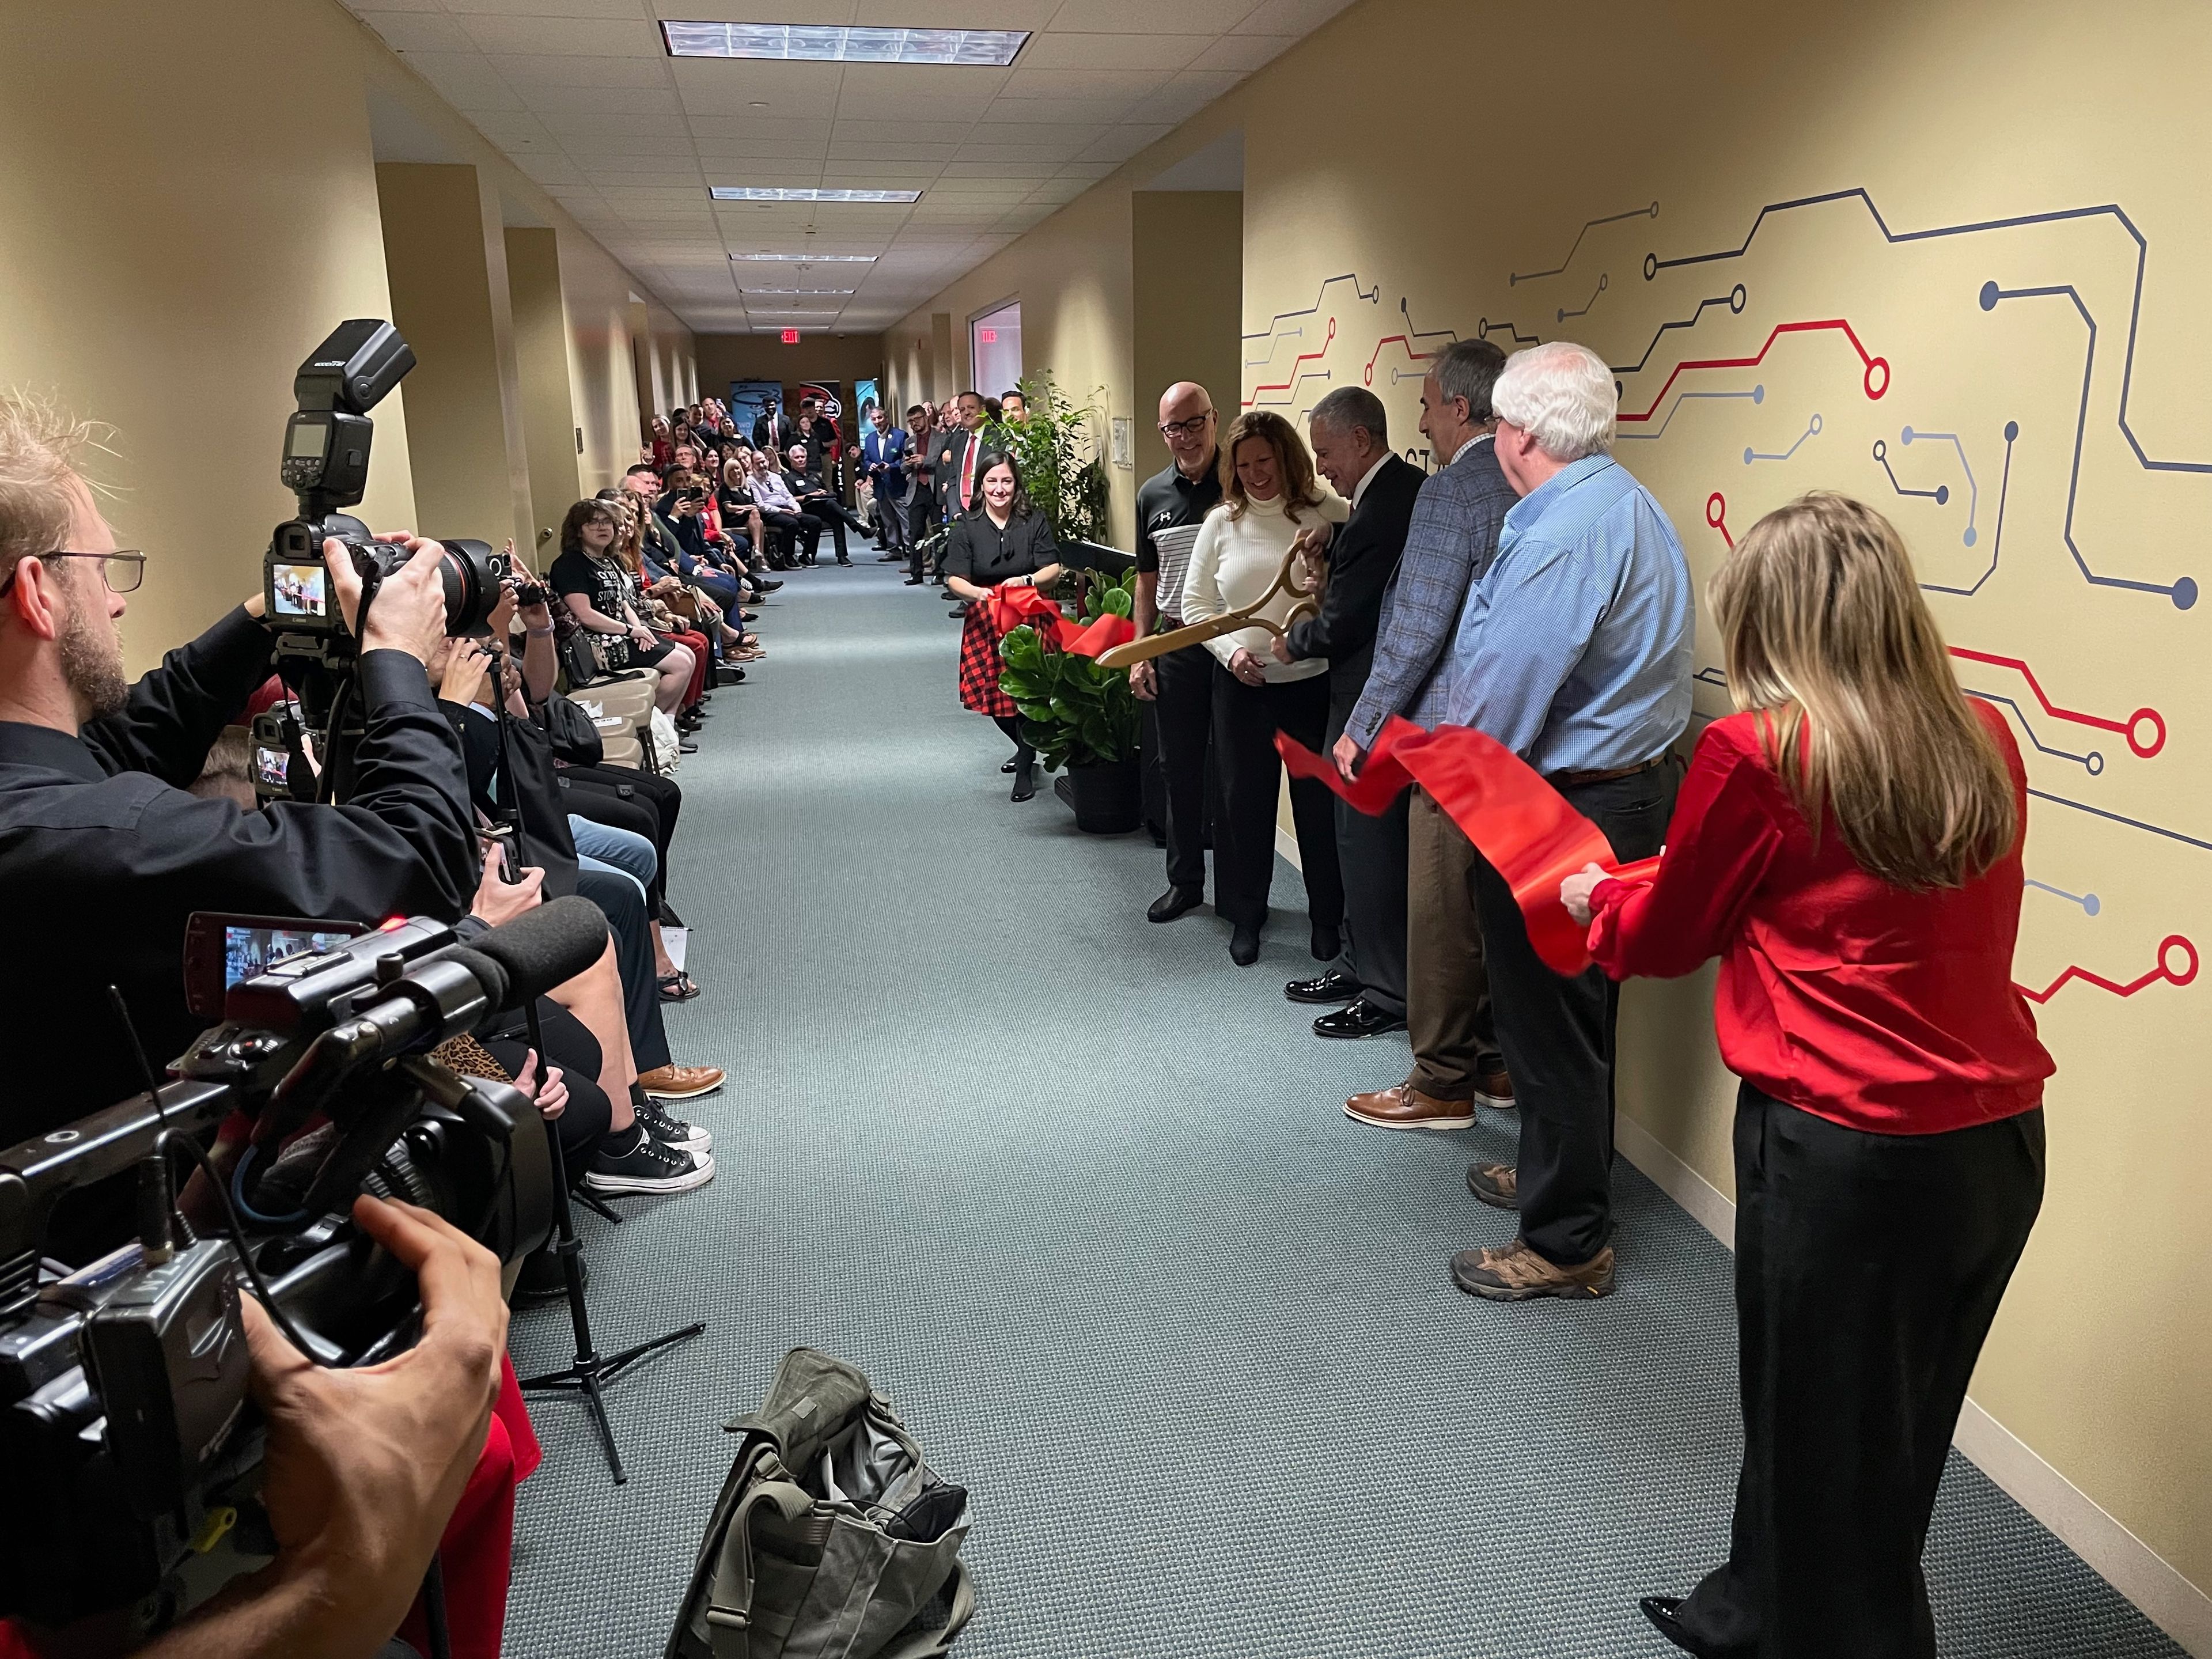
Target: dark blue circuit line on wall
column 2093, row 763
column 2117, row 817
column 1602, row 279
column 1653, row 264
column 1486, row 328
column 1941, row 495
column 1997, row 543
column 1734, row 300
column 1417, row 335
column 1370, row 294
column 1588, row 225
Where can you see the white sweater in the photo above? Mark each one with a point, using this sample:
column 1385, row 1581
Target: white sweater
column 1232, row 564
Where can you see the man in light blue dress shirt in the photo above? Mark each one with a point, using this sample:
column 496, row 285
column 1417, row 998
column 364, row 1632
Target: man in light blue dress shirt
column 1574, row 651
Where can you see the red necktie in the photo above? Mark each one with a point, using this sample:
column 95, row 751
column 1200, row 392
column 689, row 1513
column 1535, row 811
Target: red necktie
column 968, row 474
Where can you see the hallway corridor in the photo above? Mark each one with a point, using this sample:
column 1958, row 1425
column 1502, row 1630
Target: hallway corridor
column 1078, row 1195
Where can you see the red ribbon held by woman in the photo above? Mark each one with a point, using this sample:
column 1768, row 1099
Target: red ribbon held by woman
column 1012, row 606
column 1518, row 822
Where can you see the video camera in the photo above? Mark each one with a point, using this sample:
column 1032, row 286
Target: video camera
column 326, row 466
column 124, row 1424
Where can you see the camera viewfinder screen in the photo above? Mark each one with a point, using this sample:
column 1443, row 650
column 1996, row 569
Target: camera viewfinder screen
column 298, row 590
column 271, row 766
column 308, row 441
column 250, row 951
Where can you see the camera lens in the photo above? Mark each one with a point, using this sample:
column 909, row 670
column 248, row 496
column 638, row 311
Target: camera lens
column 473, row 573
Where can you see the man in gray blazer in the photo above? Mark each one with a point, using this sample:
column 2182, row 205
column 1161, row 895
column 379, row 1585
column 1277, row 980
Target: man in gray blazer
column 1451, row 541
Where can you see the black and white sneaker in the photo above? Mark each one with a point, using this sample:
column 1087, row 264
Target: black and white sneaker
column 649, row 1167
column 670, row 1131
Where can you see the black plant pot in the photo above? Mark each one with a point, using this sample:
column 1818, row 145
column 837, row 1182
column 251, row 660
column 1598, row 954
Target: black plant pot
column 1108, row 796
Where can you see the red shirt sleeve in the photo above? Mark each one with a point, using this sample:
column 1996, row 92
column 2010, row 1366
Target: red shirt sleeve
column 1719, row 845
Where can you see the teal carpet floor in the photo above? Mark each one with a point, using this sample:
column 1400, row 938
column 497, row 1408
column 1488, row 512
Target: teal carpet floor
column 1078, row 1195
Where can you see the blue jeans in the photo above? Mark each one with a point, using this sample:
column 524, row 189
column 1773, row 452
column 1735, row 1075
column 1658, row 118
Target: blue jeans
column 601, row 846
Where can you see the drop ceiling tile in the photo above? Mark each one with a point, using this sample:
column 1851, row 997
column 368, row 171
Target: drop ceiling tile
column 1060, row 190
column 511, row 127
column 897, row 174
column 626, row 9
column 525, row 69
column 965, row 170
column 1111, row 52
column 466, row 79
column 1122, row 142
column 720, row 155
column 907, row 108
column 954, row 14
column 972, row 83
column 864, row 149
column 550, row 169
column 1182, row 98
column 894, row 136
column 605, row 100
column 588, row 125
column 1086, row 169
column 1209, row 17
column 416, row 31
column 1243, row 52
column 792, row 85
column 1293, row 17
column 1017, row 133
column 760, row 126
column 1080, row 111
column 1058, row 150
column 597, row 37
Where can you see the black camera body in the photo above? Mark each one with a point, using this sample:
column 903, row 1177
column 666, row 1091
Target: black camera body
column 124, row 1419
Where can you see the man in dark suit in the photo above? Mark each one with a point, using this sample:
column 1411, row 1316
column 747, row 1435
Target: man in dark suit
column 956, row 455
column 922, row 515
column 1351, row 448
column 771, row 430
column 882, row 447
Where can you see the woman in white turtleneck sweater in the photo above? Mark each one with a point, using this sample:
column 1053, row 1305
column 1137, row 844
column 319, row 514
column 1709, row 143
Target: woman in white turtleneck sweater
column 1269, row 495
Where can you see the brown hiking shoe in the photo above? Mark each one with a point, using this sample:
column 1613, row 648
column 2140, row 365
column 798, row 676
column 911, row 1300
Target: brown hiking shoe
column 1406, row 1106
column 1493, row 1087
column 1497, row 1185
column 1516, row 1274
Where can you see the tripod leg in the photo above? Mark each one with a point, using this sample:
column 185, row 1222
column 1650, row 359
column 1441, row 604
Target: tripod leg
column 598, row 1206
column 598, row 1408
column 615, row 1362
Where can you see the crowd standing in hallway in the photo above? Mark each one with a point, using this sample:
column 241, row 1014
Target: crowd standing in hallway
column 1848, row 844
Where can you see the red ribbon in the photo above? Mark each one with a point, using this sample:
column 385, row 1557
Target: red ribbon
column 1012, row 606
column 1518, row 822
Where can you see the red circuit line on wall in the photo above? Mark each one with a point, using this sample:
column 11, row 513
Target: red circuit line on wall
column 1399, row 339
column 1873, row 373
column 1303, row 358
column 2126, row 729
column 2180, row 975
column 1716, row 516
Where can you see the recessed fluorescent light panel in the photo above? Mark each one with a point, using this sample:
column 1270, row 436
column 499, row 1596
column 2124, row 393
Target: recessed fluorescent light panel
column 811, row 259
column 808, row 291
column 755, row 193
column 829, row 44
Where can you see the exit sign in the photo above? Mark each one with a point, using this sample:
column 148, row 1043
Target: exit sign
column 791, row 336
column 986, row 336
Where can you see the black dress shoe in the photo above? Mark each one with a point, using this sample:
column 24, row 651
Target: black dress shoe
column 1361, row 1019
column 1244, row 946
column 1024, row 784
column 1331, row 987
column 1326, row 944
column 1661, row 1611
column 1175, row 901
column 1008, row 769
column 911, row 581
column 683, row 748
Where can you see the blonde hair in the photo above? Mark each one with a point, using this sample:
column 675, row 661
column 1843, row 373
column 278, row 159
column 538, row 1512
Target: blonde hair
column 1825, row 635
column 1292, row 460
column 628, row 544
column 39, row 449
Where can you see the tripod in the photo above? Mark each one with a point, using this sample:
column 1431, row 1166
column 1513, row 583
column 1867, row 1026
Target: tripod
column 591, row 1369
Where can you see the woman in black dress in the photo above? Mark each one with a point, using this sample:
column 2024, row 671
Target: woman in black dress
column 1004, row 542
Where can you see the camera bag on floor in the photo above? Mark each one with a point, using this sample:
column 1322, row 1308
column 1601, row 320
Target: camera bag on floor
column 832, row 1538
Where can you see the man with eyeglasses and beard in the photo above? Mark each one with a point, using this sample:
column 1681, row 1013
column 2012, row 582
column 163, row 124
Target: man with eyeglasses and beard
column 103, row 855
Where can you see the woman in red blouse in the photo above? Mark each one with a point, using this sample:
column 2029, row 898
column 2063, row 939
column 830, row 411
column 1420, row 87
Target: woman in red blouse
column 1848, row 845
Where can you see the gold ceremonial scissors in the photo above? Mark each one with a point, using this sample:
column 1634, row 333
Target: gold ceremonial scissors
column 1286, row 581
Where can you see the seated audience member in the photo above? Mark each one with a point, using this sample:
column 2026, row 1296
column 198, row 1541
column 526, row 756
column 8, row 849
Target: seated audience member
column 1849, row 844
column 659, row 614
column 1269, row 494
column 781, row 512
column 662, row 442
column 596, row 587
column 814, row 496
column 1573, row 652
column 1004, row 542
column 103, row 855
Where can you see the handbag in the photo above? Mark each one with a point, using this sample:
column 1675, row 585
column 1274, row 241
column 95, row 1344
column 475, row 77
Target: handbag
column 574, row 737
column 831, row 1537
column 581, row 658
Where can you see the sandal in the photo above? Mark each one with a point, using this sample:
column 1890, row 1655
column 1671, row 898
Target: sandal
column 679, row 987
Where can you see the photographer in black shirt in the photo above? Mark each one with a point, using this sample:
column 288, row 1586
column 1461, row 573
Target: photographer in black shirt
column 103, row 855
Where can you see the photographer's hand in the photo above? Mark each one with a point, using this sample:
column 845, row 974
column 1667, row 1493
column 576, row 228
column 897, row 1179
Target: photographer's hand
column 409, row 612
column 500, row 900
column 363, row 1467
column 467, row 666
column 551, row 1095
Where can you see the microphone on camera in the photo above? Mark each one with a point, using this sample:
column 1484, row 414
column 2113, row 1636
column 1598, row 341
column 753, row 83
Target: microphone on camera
column 530, row 954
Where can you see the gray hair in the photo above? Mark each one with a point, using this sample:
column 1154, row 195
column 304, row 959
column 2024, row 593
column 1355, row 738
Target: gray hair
column 1349, row 406
column 1562, row 395
column 1469, row 370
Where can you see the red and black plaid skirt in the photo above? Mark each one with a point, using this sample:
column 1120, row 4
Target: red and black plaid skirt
column 980, row 665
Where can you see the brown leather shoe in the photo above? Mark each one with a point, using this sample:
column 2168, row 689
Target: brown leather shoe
column 1494, row 1088
column 1516, row 1274
column 1405, row 1107
column 680, row 1082
column 1497, row 1185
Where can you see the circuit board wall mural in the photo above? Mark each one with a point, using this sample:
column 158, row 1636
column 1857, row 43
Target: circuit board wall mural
column 1977, row 382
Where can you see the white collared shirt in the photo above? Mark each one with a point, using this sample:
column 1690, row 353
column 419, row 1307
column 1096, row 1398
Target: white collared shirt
column 1368, row 477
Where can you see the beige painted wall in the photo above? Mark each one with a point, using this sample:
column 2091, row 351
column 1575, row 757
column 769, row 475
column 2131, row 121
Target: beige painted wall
column 541, row 353
column 1187, row 303
column 174, row 238
column 2101, row 1360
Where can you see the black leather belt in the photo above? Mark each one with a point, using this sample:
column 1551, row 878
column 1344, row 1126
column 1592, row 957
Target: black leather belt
column 1573, row 780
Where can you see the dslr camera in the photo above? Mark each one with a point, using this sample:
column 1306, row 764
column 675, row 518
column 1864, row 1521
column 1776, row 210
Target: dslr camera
column 124, row 1418
column 326, row 466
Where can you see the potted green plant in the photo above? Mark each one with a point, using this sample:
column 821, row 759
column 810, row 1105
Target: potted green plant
column 1077, row 715
column 1057, row 452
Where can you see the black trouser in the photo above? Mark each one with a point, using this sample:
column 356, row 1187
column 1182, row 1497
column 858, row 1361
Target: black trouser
column 571, row 1045
column 792, row 528
column 1372, row 856
column 1557, row 1033
column 1182, row 709
column 1025, row 756
column 664, row 796
column 920, row 522
column 622, row 902
column 1867, row 1269
column 1248, row 785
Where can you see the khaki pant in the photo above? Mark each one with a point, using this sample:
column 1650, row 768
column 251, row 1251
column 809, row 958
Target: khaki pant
column 1446, row 987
